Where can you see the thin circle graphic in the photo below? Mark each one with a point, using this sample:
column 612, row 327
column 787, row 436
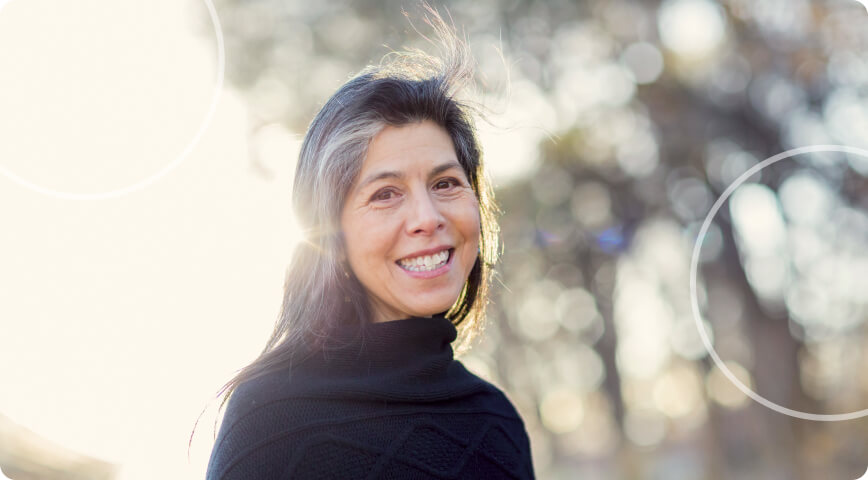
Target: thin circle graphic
column 206, row 122
column 694, row 262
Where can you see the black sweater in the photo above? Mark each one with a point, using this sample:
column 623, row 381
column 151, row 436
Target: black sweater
column 386, row 401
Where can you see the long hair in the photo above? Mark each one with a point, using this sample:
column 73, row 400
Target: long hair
column 319, row 292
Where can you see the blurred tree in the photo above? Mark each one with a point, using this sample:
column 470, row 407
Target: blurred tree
column 654, row 108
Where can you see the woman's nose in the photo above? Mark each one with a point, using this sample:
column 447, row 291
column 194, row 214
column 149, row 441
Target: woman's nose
column 424, row 216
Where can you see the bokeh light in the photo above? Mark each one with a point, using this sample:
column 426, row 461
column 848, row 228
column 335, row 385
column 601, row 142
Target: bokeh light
column 610, row 129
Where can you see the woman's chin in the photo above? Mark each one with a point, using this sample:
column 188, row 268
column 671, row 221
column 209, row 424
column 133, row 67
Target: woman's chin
column 433, row 306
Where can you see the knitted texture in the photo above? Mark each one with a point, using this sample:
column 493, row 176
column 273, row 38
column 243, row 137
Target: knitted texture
column 385, row 401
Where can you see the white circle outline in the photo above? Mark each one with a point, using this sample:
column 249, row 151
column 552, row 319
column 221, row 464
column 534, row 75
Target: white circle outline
column 694, row 262
column 206, row 122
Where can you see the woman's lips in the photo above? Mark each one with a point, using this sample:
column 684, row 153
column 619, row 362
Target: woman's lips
column 429, row 273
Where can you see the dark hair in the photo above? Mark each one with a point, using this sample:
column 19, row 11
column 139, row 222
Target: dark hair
column 318, row 293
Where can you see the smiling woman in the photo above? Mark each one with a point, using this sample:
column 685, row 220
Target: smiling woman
column 411, row 226
column 358, row 379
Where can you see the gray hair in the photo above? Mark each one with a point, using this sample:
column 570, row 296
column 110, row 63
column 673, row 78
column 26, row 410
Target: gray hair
column 320, row 292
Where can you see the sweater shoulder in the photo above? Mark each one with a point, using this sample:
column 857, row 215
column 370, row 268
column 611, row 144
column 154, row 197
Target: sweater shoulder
column 256, row 392
column 246, row 421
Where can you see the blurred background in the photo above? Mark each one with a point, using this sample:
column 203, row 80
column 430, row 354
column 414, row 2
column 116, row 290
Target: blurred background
column 614, row 126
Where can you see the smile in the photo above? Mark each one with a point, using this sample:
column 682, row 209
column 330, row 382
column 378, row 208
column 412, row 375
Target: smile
column 426, row 263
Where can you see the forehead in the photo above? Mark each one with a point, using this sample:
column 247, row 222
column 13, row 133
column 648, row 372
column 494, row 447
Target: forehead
column 413, row 145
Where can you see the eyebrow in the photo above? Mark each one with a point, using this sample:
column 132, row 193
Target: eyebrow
column 399, row 175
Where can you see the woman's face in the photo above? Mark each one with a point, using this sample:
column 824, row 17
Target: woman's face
column 411, row 223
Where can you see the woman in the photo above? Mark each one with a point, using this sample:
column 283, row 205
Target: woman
column 358, row 378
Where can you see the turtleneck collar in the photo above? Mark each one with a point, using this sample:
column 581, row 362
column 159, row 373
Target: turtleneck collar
column 403, row 360
column 390, row 344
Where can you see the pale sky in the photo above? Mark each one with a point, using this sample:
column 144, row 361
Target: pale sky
column 119, row 318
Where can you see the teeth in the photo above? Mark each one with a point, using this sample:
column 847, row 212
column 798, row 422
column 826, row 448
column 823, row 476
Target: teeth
column 425, row 263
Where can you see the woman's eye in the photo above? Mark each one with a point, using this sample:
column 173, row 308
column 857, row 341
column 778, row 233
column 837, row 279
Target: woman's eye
column 446, row 183
column 383, row 195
